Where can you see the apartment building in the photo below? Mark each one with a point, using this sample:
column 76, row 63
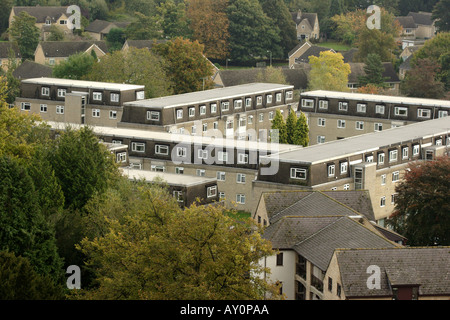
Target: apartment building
column 337, row 115
column 375, row 162
column 76, row 101
column 407, row 273
column 243, row 112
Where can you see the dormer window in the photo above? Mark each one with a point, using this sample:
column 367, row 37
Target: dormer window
column 48, row 22
column 45, row 91
column 97, row 96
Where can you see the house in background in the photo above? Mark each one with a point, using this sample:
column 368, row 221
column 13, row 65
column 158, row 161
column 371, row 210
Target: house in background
column 307, row 25
column 392, row 80
column 45, row 18
column 406, row 273
column 30, row 69
column 417, row 25
column 99, row 29
column 301, row 53
column 9, row 50
column 53, row 52
column 140, row 44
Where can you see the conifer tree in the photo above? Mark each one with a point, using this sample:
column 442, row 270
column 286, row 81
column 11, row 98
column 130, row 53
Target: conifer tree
column 291, row 122
column 301, row 135
column 279, row 124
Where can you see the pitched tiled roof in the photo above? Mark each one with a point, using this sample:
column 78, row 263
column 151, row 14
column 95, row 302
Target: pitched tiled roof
column 423, row 18
column 42, row 13
column 5, row 49
column 428, row 267
column 357, row 70
column 140, row 44
column 313, row 51
column 310, row 17
column 406, row 22
column 30, row 69
column 98, row 26
column 68, row 48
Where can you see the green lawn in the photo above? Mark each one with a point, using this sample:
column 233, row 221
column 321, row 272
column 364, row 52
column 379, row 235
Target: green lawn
column 337, row 46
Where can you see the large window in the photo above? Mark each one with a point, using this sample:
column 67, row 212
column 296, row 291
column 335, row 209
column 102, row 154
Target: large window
column 307, row 103
column 161, row 149
column 138, row 146
column 298, row 173
column 401, row 111
column 97, row 96
column 45, row 91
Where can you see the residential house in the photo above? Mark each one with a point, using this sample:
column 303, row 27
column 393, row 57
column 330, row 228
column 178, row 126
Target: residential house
column 140, row 44
column 305, row 228
column 392, row 80
column 417, row 25
column 373, row 161
column 301, row 53
column 337, row 115
column 307, row 25
column 9, row 50
column 30, row 69
column 404, row 273
column 99, row 29
column 53, row 52
column 46, row 16
column 76, row 101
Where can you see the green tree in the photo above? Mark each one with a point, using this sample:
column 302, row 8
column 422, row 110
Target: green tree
column 205, row 253
column 77, row 67
column 23, row 30
column 441, row 13
column 328, row 72
column 144, row 28
column 56, row 34
column 135, row 66
column 375, row 42
column 421, row 206
column 301, row 131
column 12, row 83
column 271, row 75
column 291, row 123
column 252, row 33
column 185, row 65
column 21, row 282
column 421, row 81
column 174, row 21
column 5, row 11
column 115, row 39
column 279, row 130
column 374, row 70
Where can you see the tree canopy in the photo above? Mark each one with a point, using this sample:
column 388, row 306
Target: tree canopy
column 328, row 72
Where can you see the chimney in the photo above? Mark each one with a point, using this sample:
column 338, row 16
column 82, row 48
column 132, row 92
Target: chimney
column 299, row 14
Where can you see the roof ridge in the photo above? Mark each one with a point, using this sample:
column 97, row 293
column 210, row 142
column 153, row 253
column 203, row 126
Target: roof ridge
column 312, row 192
column 344, row 205
column 320, row 230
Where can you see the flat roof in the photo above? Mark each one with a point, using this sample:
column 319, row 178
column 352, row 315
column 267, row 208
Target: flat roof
column 172, row 179
column 84, row 84
column 377, row 98
column 179, row 138
column 364, row 143
column 208, row 95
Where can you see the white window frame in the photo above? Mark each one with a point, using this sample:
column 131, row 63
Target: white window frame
column 259, row 100
column 112, row 114
column 138, row 146
column 380, row 109
column 97, row 96
column 225, row 105
column 121, row 157
column 248, row 102
column 222, row 156
column 202, row 154
column 361, row 107
column 382, row 201
column 298, row 173
column 320, row 139
column 323, row 104
column 114, row 97
column 25, row 106
column 383, row 179
column 341, row 124
column 381, row 158
column 424, row 113
column 178, row 195
column 237, row 104
column 331, row 170
column 347, row 186
column 405, row 153
column 278, row 97
column 140, row 95
column 307, row 103
column 268, row 99
column 59, row 109
column 161, row 149
column 401, row 111
column 213, row 107
column 242, row 158
column 261, row 117
column 220, row 175
column 181, row 152
column 240, row 198
column 43, row 108
column 202, row 110
column 442, row 113
column 62, row 93
column 211, row 191
column 343, row 106
column 153, row 115
column 416, row 149
column 344, row 167
column 179, row 113
column 191, row 112
column 391, row 155
column 240, row 178
column 179, row 170
column 271, row 115
column 45, row 91
column 378, row 126
column 96, row 113
column 289, row 95
column 200, row 172
column 395, row 176
column 321, row 122
column 359, row 125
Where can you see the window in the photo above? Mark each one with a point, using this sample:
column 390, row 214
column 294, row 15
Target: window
column 423, row 113
column 59, row 109
column 240, row 178
column 289, row 95
column 48, row 22
column 153, row 115
column 338, row 290
column 242, row 122
column 297, row 173
column 395, row 176
column 269, row 98
column 416, row 150
column 112, row 114
column 221, row 195
column 202, row 154
column 96, row 113
column 344, row 167
column 381, row 158
column 140, row 95
column 178, row 195
column 114, row 97
column 379, row 109
column 405, row 152
column 220, row 175
column 180, row 114
column 248, row 102
column 200, row 172
column 278, row 97
column 191, row 111
column 222, row 156
column 330, row 284
column 202, row 110
column 359, row 179
column 138, row 147
column 237, row 104
column 359, row 125
column 331, row 170
column 393, row 198
column 401, row 111
column 323, row 104
column 225, row 106
column 181, row 152
column 259, row 100
column 211, row 191
column 240, row 198
column 271, row 115
column 179, row 170
column 343, row 106
column 213, row 107
column 160, row 149
column 393, row 155
column 242, row 158
column 25, row 106
column 369, row 159
column 383, row 179
column 261, row 117
column 121, row 157
column 382, row 201
column 51, row 61
column 61, row 93
column 341, row 124
column 280, row 259
column 307, row 103
column 43, row 108
column 361, row 107
column 204, row 127
column 250, row 120
column 229, row 124
column 320, row 139
column 378, row 126
column 442, row 113
column 215, row 125
column 45, row 91
column 62, row 21
column 347, row 186
column 321, row 122
column 97, row 96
